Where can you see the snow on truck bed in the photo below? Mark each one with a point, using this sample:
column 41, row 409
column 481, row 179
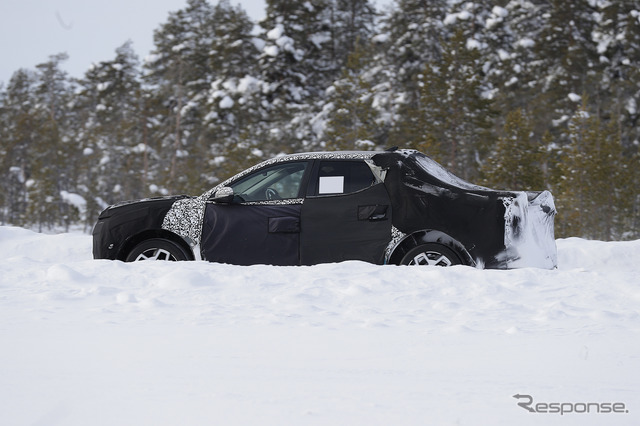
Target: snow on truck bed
column 88, row 342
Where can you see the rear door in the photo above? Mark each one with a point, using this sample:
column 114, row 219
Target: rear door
column 346, row 214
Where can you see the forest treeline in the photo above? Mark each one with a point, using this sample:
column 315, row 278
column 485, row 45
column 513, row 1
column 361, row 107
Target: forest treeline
column 511, row 94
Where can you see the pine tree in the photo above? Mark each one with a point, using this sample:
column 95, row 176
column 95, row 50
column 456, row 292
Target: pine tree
column 517, row 161
column 305, row 46
column 233, row 51
column 454, row 115
column 563, row 63
column 412, row 36
column 351, row 26
column 233, row 124
column 297, row 54
column 17, row 132
column 111, row 138
column 49, row 153
column 296, row 63
column 515, row 76
column 180, row 74
column 198, row 47
column 353, row 122
column 631, row 226
column 617, row 35
column 594, row 190
column 414, row 32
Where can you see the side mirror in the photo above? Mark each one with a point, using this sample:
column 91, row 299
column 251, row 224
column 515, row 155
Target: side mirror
column 223, row 195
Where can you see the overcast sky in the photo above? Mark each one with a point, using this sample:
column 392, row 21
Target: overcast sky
column 87, row 30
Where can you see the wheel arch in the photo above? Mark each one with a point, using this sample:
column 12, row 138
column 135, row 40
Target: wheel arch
column 153, row 233
column 410, row 241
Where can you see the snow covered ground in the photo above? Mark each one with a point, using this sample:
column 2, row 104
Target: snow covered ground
column 87, row 342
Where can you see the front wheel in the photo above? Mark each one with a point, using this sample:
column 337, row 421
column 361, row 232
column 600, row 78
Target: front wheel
column 157, row 249
column 431, row 254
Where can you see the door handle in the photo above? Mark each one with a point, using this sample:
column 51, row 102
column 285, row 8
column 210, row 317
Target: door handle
column 284, row 224
column 373, row 213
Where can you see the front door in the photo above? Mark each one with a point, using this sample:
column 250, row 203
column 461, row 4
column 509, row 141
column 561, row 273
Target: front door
column 262, row 225
column 346, row 214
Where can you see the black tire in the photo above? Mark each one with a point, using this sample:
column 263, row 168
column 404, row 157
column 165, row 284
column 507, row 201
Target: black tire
column 431, row 254
column 157, row 249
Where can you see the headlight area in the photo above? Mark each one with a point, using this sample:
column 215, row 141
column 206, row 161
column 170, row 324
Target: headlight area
column 123, row 224
column 100, row 245
column 113, row 227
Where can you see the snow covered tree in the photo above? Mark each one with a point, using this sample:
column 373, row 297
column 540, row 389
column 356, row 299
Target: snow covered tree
column 617, row 35
column 111, row 139
column 491, row 84
column 296, row 50
column 296, row 64
column 517, row 160
column 233, row 51
column 513, row 77
column 305, row 46
column 414, row 32
column 352, row 120
column 454, row 116
column 17, row 133
column 411, row 35
column 562, row 66
column 595, row 192
column 352, row 25
column 233, row 128
column 51, row 173
column 199, row 46
column 180, row 74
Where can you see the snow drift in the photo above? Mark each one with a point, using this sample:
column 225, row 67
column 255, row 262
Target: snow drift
column 196, row 343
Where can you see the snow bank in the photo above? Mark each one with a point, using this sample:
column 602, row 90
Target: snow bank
column 103, row 343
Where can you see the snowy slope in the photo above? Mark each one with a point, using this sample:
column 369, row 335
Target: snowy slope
column 89, row 342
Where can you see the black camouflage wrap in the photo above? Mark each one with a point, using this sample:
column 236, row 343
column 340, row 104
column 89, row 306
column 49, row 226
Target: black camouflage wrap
column 412, row 201
column 480, row 224
column 117, row 226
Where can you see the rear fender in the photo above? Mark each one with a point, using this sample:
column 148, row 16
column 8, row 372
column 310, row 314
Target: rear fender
column 417, row 238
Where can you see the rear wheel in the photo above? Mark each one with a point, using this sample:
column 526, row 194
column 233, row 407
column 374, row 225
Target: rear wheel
column 431, row 254
column 157, row 249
